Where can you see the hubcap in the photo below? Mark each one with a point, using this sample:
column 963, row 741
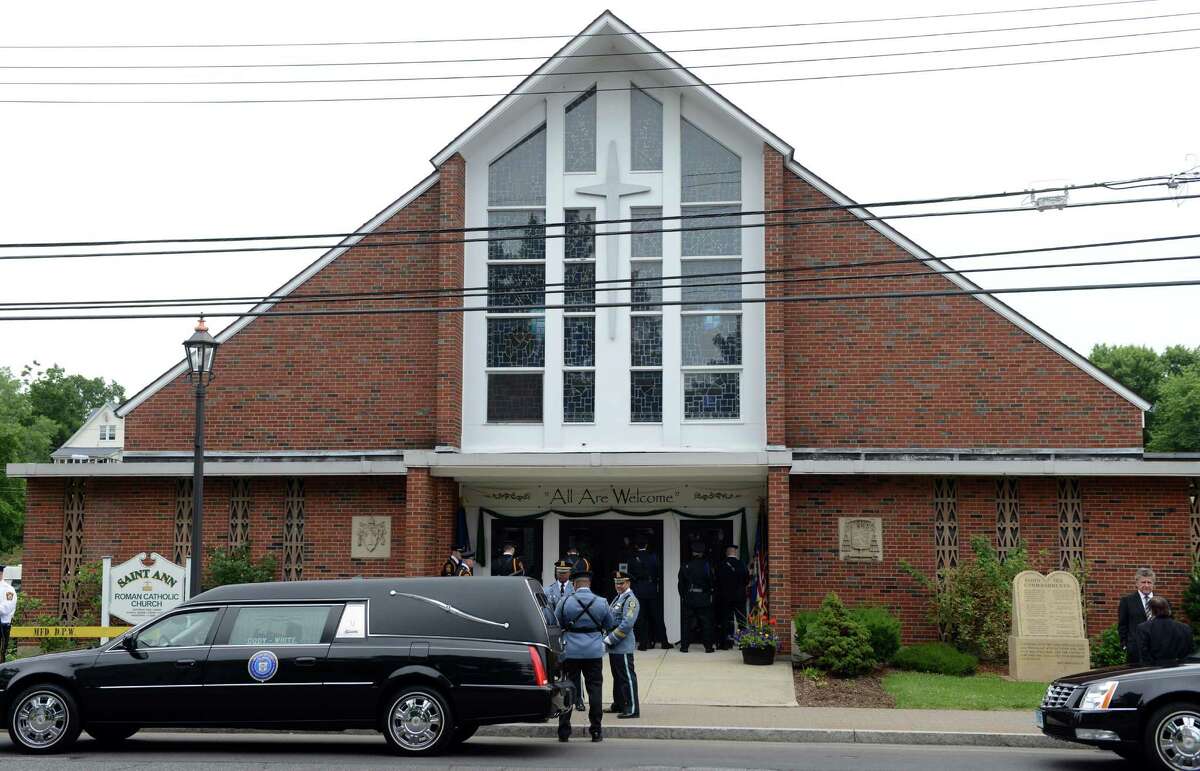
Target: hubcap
column 41, row 719
column 1178, row 740
column 416, row 721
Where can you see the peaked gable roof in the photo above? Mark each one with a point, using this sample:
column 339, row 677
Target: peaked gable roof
column 620, row 33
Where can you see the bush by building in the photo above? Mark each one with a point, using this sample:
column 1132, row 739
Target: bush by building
column 882, row 625
column 838, row 643
column 1107, row 650
column 234, row 565
column 936, row 657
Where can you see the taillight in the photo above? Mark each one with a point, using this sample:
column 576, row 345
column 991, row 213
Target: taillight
column 539, row 669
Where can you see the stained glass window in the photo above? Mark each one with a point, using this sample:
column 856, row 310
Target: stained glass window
column 527, row 228
column 646, row 283
column 711, row 291
column 711, row 340
column 645, row 397
column 580, row 242
column 699, row 237
column 518, row 178
column 516, row 285
column 711, row 395
column 711, row 171
column 579, row 396
column 580, row 280
column 580, row 133
column 647, row 235
column 514, row 397
column 516, row 342
column 579, row 341
column 646, row 130
column 645, row 341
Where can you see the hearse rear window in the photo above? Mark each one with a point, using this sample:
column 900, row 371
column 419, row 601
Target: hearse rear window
column 279, row 625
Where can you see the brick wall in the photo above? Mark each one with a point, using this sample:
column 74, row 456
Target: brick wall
column 913, row 372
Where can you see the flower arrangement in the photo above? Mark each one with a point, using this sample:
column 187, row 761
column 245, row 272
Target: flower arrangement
column 758, row 632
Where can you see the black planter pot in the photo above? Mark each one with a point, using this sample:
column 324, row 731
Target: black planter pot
column 758, row 656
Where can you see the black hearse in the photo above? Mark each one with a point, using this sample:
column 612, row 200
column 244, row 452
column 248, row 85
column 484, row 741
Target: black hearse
column 425, row 661
column 1147, row 714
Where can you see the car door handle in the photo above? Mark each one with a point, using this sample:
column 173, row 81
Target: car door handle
column 185, row 664
column 306, row 661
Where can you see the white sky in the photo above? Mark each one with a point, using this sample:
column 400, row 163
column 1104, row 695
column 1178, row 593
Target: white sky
column 81, row 172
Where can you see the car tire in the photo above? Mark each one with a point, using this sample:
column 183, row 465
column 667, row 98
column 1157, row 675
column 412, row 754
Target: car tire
column 417, row 720
column 462, row 732
column 1179, row 724
column 43, row 719
column 111, row 733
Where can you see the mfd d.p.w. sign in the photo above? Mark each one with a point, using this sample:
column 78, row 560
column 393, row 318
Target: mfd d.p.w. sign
column 145, row 586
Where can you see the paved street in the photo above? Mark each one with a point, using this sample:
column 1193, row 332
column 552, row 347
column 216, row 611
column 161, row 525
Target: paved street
column 195, row 752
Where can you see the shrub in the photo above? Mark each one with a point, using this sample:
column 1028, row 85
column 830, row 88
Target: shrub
column 1107, row 650
column 803, row 621
column 838, row 643
column 234, row 565
column 972, row 604
column 884, row 629
column 1191, row 602
column 937, row 657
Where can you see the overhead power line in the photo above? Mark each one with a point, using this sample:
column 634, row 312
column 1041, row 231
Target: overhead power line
column 565, row 235
column 560, row 306
column 487, row 76
column 787, row 25
column 602, row 54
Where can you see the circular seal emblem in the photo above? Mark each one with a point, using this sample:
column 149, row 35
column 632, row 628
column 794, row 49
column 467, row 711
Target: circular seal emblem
column 263, row 666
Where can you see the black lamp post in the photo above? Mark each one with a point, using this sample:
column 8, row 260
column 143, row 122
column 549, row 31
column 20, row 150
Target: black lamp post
column 201, row 349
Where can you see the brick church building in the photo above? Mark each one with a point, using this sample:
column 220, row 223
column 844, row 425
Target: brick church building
column 673, row 406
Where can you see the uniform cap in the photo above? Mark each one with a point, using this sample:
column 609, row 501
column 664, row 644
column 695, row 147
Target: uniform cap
column 462, row 547
column 467, row 553
column 562, row 565
column 577, row 574
column 620, row 575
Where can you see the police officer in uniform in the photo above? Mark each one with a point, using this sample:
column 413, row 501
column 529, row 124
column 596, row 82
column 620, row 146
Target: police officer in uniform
column 509, row 563
column 696, row 599
column 8, row 606
column 577, row 561
column 644, row 571
column 620, row 642
column 555, row 592
column 460, row 562
column 585, row 620
column 732, row 578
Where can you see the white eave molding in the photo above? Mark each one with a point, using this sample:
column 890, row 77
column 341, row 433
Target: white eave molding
column 211, row 469
column 994, row 468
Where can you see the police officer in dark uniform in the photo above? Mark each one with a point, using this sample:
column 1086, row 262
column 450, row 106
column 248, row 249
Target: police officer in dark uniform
column 585, row 620
column 578, row 562
column 732, row 579
column 644, row 571
column 460, row 562
column 696, row 599
column 509, row 564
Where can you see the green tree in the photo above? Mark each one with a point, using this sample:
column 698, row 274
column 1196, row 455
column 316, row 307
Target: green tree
column 1177, row 358
column 1177, row 414
column 24, row 437
column 1138, row 367
column 67, row 399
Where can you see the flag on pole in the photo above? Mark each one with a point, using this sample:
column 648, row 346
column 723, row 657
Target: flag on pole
column 480, row 543
column 758, row 568
column 462, row 536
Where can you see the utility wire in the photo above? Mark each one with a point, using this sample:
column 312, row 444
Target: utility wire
column 688, row 282
column 1160, row 180
column 697, row 228
column 416, row 78
column 555, row 57
column 516, row 309
column 575, row 35
column 422, row 97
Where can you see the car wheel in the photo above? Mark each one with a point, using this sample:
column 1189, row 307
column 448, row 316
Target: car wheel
column 417, row 721
column 1173, row 737
column 463, row 732
column 43, row 719
column 110, row 733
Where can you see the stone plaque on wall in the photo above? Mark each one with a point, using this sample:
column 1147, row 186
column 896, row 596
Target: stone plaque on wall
column 1048, row 638
column 370, row 537
column 860, row 539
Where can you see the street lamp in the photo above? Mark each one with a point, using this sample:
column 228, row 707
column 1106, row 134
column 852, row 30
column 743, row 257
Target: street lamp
column 201, row 349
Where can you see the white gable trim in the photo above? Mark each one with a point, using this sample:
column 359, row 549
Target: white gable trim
column 608, row 21
column 296, row 281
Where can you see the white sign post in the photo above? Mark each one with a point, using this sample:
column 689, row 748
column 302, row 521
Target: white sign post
column 141, row 588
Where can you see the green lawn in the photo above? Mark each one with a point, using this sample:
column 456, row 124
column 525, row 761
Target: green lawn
column 920, row 690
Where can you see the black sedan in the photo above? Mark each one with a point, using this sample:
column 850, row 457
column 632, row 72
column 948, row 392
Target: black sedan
column 1148, row 714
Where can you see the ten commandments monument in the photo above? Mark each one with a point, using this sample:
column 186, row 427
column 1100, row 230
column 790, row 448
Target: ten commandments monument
column 1048, row 638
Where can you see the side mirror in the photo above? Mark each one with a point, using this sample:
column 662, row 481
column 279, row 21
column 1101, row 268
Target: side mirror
column 129, row 643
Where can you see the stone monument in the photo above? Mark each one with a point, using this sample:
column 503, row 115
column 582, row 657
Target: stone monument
column 1048, row 639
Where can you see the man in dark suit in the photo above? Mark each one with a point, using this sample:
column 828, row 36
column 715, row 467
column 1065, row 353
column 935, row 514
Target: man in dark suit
column 1135, row 610
column 1163, row 640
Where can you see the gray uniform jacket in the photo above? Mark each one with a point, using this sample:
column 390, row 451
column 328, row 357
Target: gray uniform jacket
column 624, row 609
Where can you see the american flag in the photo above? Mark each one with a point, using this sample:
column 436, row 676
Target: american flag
column 758, row 566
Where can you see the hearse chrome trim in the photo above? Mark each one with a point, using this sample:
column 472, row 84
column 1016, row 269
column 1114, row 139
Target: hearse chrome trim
column 169, row 685
column 509, row 687
column 449, row 609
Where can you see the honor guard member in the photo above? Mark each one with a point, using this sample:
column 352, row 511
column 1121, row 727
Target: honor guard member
column 644, row 571
column 8, row 606
column 460, row 562
column 577, row 561
column 555, row 592
column 585, row 620
column 620, row 642
column 509, row 563
column 732, row 579
column 696, row 599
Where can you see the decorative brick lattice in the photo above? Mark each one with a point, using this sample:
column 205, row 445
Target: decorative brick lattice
column 183, row 521
column 239, row 513
column 72, row 548
column 1070, row 524
column 1008, row 517
column 1194, row 518
column 945, row 524
column 293, row 530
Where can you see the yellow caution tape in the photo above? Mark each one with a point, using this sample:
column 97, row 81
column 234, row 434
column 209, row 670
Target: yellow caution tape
column 68, row 631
